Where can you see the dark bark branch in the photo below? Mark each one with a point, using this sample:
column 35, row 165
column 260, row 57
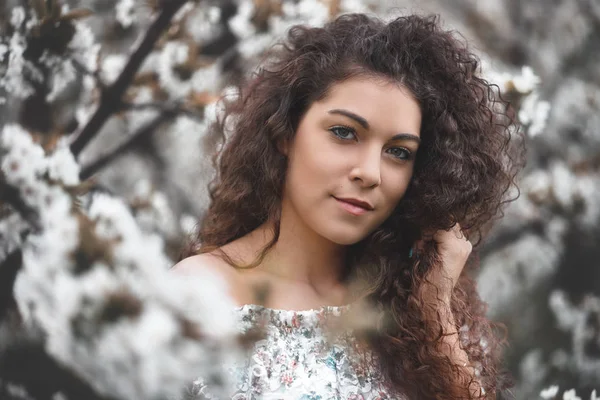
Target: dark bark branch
column 111, row 97
column 510, row 236
column 9, row 268
column 95, row 74
column 10, row 195
column 129, row 144
column 25, row 362
column 163, row 107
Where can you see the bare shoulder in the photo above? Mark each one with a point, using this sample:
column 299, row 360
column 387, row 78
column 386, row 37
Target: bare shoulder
column 208, row 261
column 201, row 262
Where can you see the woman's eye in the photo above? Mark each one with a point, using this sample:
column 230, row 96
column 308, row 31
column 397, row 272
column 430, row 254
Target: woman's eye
column 343, row 132
column 347, row 133
column 400, row 153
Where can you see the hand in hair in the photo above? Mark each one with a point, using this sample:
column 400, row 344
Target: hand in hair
column 453, row 249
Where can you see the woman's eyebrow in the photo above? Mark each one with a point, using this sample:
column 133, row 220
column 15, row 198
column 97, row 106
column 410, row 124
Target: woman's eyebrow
column 406, row 136
column 365, row 124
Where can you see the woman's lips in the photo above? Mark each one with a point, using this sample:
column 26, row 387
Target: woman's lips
column 352, row 208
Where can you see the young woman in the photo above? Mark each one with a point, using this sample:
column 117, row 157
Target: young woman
column 363, row 151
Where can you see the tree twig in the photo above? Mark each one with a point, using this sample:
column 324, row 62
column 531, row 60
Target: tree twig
column 163, row 107
column 111, row 97
column 95, row 74
column 129, row 144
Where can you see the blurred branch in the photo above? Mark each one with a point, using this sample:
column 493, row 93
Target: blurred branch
column 172, row 109
column 128, row 145
column 24, row 361
column 110, row 101
column 509, row 236
column 9, row 268
column 95, row 74
column 10, row 195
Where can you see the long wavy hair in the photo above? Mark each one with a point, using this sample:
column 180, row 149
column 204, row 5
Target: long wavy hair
column 470, row 154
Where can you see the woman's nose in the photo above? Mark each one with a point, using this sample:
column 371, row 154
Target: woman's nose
column 367, row 168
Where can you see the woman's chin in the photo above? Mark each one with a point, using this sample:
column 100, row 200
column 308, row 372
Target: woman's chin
column 347, row 239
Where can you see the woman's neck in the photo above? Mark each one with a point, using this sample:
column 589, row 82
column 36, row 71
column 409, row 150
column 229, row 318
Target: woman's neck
column 300, row 258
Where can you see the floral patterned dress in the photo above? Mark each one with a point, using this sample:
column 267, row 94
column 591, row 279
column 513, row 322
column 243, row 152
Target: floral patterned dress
column 299, row 360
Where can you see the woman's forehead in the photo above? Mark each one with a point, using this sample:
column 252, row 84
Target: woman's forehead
column 378, row 104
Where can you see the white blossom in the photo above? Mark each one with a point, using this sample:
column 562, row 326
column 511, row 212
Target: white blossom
column 156, row 215
column 188, row 223
column 207, row 79
column 563, row 187
column 18, row 17
column 255, row 45
column 550, row 392
column 62, row 165
column 203, row 23
column 112, row 65
column 173, row 54
column 534, row 113
column 125, row 12
column 13, row 81
column 46, row 254
column 533, row 259
column 353, row 6
column 149, row 347
column 309, row 12
column 112, row 217
column 151, row 63
column 570, row 395
column 527, row 81
column 83, row 48
column 538, row 185
column 23, row 160
column 142, row 190
column 575, row 319
column 3, row 51
column 62, row 73
column 240, row 23
column 214, row 14
column 11, row 228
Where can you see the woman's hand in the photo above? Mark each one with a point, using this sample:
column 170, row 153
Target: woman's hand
column 454, row 249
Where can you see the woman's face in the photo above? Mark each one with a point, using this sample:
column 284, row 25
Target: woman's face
column 359, row 142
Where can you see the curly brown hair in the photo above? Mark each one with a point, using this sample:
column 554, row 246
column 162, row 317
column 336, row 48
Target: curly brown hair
column 470, row 154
